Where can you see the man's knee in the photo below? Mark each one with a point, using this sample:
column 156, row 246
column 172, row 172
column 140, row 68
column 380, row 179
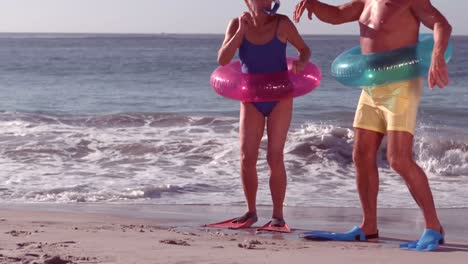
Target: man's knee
column 399, row 163
column 362, row 156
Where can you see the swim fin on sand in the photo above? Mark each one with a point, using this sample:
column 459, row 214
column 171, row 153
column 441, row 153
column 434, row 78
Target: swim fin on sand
column 275, row 225
column 245, row 221
column 429, row 241
column 355, row 234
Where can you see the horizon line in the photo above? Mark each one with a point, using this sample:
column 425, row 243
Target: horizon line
column 162, row 33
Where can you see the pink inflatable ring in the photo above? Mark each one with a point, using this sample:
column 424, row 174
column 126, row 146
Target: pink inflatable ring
column 230, row 82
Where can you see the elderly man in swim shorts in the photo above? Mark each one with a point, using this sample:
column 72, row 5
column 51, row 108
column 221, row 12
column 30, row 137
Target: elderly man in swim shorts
column 390, row 109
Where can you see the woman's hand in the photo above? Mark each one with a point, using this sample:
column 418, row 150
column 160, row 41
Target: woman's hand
column 245, row 21
column 298, row 66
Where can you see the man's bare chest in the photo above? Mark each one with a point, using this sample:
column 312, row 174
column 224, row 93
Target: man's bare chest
column 384, row 14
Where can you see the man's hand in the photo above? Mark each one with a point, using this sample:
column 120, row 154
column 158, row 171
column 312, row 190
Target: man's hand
column 438, row 74
column 301, row 7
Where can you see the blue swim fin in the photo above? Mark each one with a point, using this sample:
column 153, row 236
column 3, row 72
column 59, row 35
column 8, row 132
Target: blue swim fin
column 429, row 241
column 355, row 234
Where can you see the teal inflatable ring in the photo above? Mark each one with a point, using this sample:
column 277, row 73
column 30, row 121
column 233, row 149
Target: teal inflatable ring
column 352, row 68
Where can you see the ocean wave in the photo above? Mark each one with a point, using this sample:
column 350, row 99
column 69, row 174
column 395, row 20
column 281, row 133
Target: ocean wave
column 164, row 157
column 29, row 135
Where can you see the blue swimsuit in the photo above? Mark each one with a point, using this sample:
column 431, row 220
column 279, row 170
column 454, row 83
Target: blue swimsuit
column 266, row 58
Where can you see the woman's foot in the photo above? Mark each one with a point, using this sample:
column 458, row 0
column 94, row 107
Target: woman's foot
column 275, row 225
column 245, row 221
column 249, row 216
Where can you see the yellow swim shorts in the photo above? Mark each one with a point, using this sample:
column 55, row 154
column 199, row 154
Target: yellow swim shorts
column 391, row 106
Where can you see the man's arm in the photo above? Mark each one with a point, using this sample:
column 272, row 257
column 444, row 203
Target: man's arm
column 348, row 12
column 433, row 19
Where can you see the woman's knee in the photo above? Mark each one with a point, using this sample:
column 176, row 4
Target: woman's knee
column 275, row 158
column 249, row 158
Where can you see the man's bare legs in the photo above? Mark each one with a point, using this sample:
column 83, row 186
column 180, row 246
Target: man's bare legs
column 366, row 145
column 400, row 158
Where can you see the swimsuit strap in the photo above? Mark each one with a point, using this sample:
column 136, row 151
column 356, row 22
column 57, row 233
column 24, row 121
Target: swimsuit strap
column 277, row 25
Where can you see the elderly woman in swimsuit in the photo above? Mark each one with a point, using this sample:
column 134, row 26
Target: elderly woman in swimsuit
column 261, row 36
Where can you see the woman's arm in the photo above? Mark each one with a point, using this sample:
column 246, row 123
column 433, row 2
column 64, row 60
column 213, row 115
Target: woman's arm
column 293, row 37
column 233, row 38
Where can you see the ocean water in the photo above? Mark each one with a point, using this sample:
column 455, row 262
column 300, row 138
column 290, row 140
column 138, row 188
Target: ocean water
column 132, row 119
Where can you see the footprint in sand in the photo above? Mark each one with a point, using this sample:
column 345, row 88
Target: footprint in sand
column 56, row 260
column 17, row 233
column 174, row 242
column 251, row 244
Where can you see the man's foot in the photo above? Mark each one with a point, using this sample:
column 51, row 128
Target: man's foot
column 355, row 234
column 429, row 241
column 244, row 221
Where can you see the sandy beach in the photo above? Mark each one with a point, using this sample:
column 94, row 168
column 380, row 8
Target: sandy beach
column 87, row 233
column 122, row 137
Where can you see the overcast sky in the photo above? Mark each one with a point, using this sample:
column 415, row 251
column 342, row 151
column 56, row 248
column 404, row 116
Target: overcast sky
column 168, row 16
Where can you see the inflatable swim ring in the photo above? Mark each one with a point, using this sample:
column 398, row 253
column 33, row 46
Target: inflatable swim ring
column 352, row 68
column 230, row 82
